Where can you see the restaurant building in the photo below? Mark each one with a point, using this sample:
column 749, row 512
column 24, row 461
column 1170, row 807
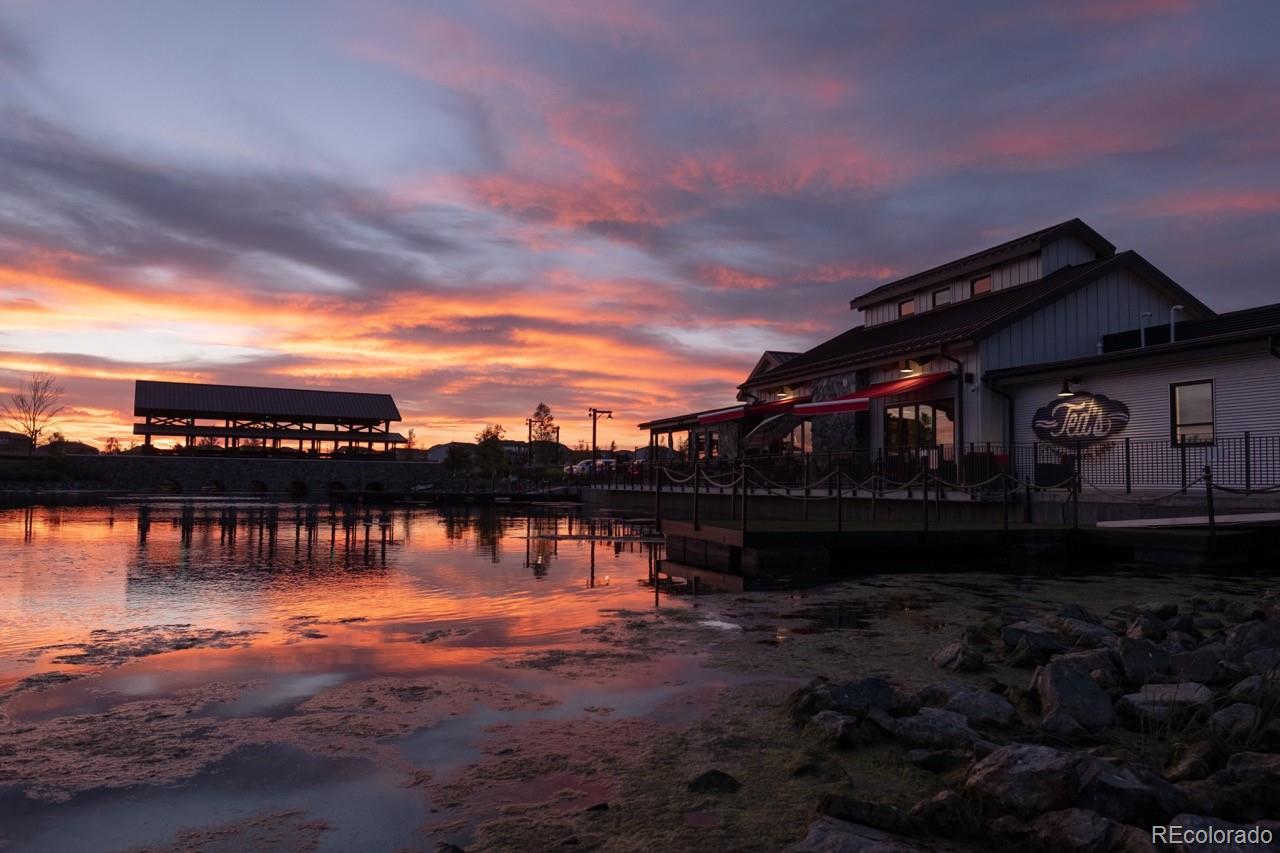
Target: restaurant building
column 1047, row 350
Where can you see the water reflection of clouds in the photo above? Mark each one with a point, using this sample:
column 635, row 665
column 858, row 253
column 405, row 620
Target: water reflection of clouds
column 439, row 584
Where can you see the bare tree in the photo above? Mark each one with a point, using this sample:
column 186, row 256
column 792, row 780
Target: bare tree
column 33, row 407
column 411, row 438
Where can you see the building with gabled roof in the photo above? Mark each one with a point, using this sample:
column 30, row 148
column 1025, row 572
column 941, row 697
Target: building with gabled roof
column 242, row 415
column 964, row 354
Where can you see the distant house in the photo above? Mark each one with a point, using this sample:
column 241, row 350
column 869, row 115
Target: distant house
column 14, row 443
column 66, row 448
column 439, row 452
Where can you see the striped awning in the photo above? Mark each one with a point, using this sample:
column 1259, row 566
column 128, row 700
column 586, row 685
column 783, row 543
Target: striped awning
column 860, row 400
column 733, row 413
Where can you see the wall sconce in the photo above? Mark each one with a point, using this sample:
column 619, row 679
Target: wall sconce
column 1067, row 382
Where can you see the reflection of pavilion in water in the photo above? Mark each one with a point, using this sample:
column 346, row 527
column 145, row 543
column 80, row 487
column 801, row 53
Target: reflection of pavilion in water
column 264, row 536
column 261, row 541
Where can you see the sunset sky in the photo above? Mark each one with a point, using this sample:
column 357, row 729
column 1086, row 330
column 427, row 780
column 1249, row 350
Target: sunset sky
column 475, row 206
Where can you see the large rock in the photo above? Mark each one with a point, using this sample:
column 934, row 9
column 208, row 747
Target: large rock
column 1024, row 779
column 1248, row 689
column 1205, row 665
column 1156, row 701
column 1081, row 632
column 932, row 728
column 957, row 657
column 982, row 708
column 870, row 813
column 1063, row 689
column 1252, row 636
column 1073, row 831
column 829, row 835
column 1041, row 641
column 1123, row 795
column 1264, row 662
column 1195, row 761
column 836, row 728
column 1236, row 720
column 947, row 814
column 1141, row 660
column 851, row 697
column 1247, row 789
column 1098, row 664
column 1147, row 626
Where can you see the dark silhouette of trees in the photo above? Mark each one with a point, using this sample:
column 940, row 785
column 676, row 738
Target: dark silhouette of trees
column 491, row 458
column 31, row 409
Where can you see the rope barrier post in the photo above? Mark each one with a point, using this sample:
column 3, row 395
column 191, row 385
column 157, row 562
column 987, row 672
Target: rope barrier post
column 1248, row 464
column 875, row 494
column 1004, row 500
column 839, row 500
column 806, row 487
column 924, row 500
column 1128, row 468
column 1208, row 500
column 745, row 489
column 1182, row 450
column 1075, row 503
column 1027, row 514
column 697, row 470
column 733, row 497
column 657, row 497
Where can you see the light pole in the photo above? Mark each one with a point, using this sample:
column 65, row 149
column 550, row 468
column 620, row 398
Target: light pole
column 529, row 444
column 595, row 416
column 557, row 432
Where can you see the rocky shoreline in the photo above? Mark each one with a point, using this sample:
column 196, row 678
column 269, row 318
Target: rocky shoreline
column 1151, row 715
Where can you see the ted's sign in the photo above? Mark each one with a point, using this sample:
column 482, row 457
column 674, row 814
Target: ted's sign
column 1080, row 419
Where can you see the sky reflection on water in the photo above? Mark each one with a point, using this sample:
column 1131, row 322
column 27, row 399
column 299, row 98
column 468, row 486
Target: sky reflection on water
column 382, row 588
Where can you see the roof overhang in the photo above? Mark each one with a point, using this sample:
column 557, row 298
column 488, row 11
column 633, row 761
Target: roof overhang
column 1031, row 372
column 860, row 400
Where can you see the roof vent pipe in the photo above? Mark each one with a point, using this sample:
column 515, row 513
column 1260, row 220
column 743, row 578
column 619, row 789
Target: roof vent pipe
column 1142, row 328
column 1100, row 348
column 1172, row 311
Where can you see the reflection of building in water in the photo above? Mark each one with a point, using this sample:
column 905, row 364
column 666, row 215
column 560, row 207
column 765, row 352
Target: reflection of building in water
column 486, row 524
column 542, row 542
column 258, row 544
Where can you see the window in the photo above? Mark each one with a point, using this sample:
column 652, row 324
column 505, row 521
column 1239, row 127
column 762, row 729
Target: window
column 906, row 307
column 919, row 425
column 1191, row 412
column 942, row 297
column 982, row 285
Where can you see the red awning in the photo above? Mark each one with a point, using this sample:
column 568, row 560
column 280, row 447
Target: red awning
column 733, row 413
column 860, row 400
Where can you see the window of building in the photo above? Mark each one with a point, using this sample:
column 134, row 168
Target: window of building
column 915, row 425
column 981, row 285
column 1191, row 412
column 906, row 307
column 942, row 297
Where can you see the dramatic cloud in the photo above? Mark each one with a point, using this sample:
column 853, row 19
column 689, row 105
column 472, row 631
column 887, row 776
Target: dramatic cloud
column 481, row 205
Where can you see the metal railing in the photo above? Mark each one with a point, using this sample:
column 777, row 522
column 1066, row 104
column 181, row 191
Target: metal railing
column 1246, row 463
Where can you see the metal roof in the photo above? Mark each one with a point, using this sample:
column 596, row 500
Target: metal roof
column 1243, row 321
column 185, row 399
column 979, row 261
column 967, row 320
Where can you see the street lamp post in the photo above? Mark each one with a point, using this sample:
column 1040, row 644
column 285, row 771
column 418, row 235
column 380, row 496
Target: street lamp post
column 557, row 432
column 595, row 416
column 529, row 445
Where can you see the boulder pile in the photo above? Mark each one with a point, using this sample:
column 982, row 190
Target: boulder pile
column 1086, row 732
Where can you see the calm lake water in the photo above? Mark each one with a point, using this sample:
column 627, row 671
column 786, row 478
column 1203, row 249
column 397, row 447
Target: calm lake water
column 142, row 601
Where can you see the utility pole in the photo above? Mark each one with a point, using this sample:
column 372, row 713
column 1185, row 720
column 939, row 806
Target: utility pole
column 529, row 445
column 595, row 416
column 557, row 432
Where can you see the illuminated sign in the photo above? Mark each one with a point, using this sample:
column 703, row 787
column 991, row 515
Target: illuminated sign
column 1080, row 419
